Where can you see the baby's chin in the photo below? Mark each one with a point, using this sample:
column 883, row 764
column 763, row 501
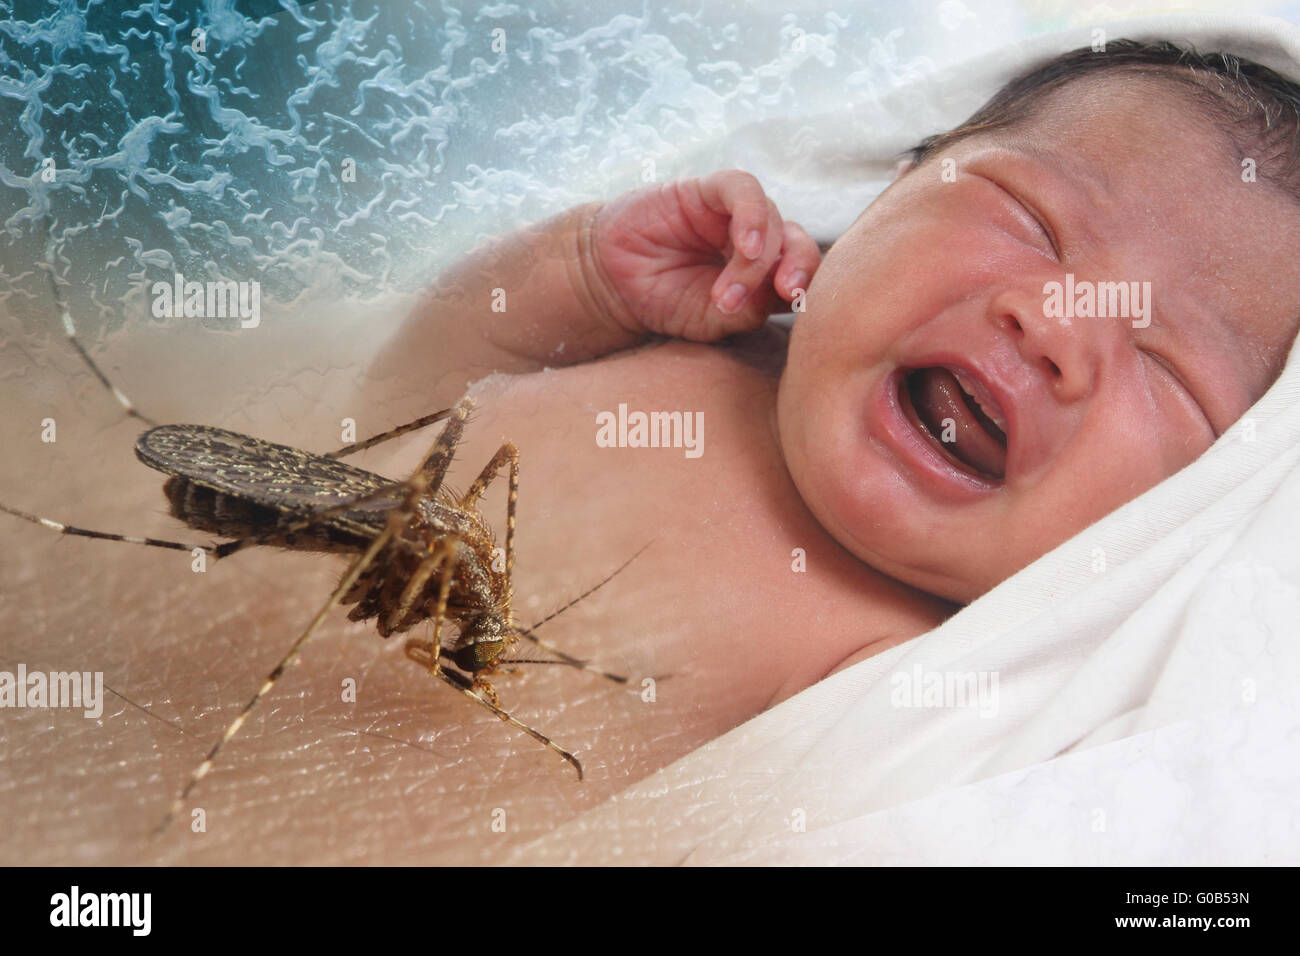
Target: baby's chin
column 947, row 574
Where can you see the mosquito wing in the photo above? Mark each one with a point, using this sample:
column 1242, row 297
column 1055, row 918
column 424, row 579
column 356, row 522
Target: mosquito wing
column 264, row 473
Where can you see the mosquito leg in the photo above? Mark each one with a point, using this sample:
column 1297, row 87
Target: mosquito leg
column 464, row 685
column 440, row 613
column 62, row 528
column 71, row 332
column 227, row 548
column 417, row 486
column 127, row 405
column 398, row 518
column 374, row 440
column 445, row 554
column 435, row 464
column 424, row 653
column 506, row 453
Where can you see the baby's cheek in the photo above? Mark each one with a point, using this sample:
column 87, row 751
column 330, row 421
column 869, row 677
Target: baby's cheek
column 819, row 461
column 796, row 432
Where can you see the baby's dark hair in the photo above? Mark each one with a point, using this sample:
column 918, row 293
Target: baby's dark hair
column 1258, row 109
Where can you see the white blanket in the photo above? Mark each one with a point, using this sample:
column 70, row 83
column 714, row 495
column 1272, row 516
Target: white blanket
column 1146, row 669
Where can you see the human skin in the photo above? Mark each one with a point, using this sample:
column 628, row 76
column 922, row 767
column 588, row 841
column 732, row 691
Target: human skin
column 413, row 773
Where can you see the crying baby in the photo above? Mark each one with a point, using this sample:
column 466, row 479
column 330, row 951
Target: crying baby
column 1051, row 309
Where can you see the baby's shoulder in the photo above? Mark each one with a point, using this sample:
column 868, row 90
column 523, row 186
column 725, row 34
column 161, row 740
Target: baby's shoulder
column 663, row 374
column 753, row 358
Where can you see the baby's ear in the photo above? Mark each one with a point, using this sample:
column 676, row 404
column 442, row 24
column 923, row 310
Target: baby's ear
column 903, row 166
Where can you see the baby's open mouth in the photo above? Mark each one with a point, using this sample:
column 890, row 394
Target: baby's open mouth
column 967, row 432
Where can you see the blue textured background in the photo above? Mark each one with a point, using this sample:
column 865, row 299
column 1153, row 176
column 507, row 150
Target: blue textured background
column 226, row 164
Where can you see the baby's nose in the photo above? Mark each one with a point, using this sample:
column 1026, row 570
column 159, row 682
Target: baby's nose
column 1064, row 347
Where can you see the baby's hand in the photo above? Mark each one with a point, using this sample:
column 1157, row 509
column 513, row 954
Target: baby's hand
column 698, row 259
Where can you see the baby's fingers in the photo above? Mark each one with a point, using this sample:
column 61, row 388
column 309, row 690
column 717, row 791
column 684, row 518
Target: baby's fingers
column 738, row 196
column 742, row 289
column 743, row 274
column 754, row 231
column 800, row 259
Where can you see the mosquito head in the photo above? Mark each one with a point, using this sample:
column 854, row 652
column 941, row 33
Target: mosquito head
column 482, row 642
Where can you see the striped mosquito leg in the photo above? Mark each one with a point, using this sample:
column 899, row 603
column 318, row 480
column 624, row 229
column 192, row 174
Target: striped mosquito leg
column 397, row 521
column 382, row 437
column 506, row 453
column 434, row 467
column 445, row 554
column 429, row 654
column 463, row 684
column 127, row 405
column 71, row 332
column 62, row 528
column 440, row 613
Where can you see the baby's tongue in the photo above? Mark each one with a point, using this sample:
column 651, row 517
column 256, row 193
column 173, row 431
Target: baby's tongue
column 937, row 396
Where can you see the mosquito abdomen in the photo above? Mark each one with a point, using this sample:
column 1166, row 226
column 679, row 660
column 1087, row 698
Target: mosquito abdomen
column 228, row 516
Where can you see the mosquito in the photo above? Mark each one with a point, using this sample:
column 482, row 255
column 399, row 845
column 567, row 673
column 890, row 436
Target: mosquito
column 420, row 552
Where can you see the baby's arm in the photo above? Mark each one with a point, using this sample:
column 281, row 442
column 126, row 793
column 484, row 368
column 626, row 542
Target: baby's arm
column 597, row 278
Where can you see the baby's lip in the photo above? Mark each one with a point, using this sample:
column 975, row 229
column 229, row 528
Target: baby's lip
column 994, row 397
